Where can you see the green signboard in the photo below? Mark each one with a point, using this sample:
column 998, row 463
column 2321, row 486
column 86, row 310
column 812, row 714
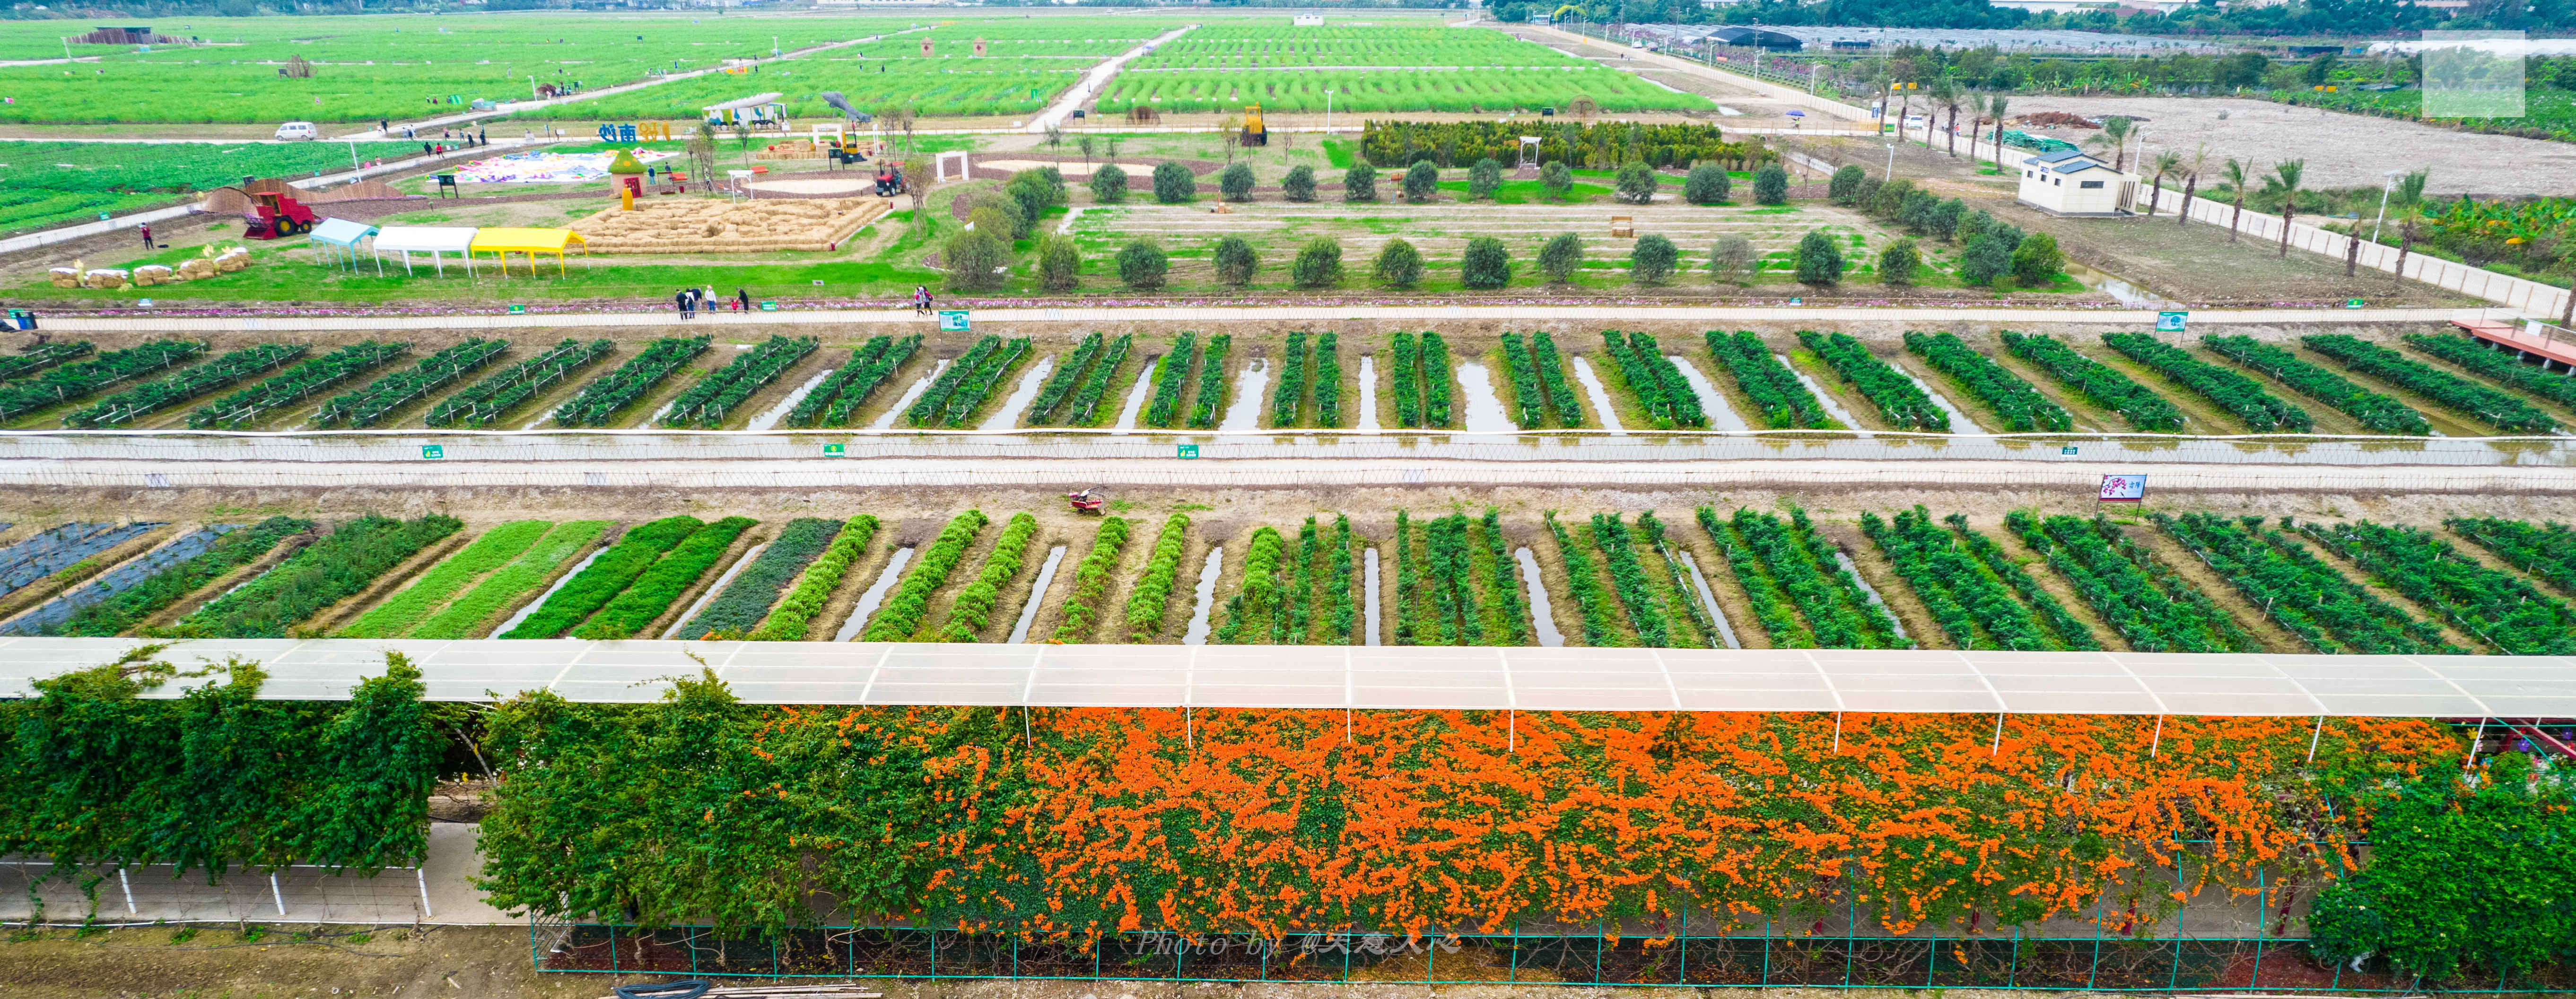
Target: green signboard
column 768, row 306
column 835, row 450
column 2352, row 303
column 953, row 321
column 432, row 451
column 2170, row 322
column 518, row 310
column 2068, row 450
column 1189, row 450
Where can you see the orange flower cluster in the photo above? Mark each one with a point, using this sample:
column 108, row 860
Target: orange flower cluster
column 1275, row 822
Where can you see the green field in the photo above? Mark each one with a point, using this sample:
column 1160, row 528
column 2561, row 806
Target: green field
column 1474, row 70
column 1268, row 46
column 52, row 183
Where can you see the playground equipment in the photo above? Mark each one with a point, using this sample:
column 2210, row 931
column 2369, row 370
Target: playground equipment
column 758, row 113
column 1254, row 133
column 274, row 214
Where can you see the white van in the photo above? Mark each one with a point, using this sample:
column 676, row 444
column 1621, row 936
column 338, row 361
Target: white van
column 298, row 130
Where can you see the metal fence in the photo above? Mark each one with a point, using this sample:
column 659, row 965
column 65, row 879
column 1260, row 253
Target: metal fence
column 1770, row 957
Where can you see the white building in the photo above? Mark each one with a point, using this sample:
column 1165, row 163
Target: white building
column 2068, row 182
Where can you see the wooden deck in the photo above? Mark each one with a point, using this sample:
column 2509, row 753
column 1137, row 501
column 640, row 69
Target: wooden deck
column 2549, row 345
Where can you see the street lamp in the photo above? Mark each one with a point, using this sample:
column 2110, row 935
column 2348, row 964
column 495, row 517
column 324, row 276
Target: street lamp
column 1328, row 113
column 1891, row 162
column 2389, row 181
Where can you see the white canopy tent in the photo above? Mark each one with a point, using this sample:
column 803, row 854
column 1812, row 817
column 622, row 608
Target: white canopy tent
column 342, row 236
column 430, row 239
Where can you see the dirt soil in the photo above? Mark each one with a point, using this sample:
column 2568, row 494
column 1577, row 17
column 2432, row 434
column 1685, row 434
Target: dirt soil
column 2341, row 150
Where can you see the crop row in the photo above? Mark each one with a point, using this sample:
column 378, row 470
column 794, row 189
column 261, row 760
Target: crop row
column 1152, row 598
column 1466, row 91
column 2553, row 386
column 1255, row 606
column 1898, row 396
column 73, row 381
column 188, row 384
column 484, row 401
column 1292, row 623
column 1342, row 584
column 1458, row 618
column 2507, row 613
column 1095, row 386
column 1170, row 377
column 2459, row 394
column 973, row 608
column 2261, row 410
column 707, row 403
column 2019, row 403
column 2545, row 550
column 745, row 601
column 66, row 553
column 1583, row 582
column 2375, row 411
column 2135, row 592
column 1529, row 405
column 2099, row 382
column 901, row 615
column 1061, row 383
column 1406, row 369
column 1207, row 405
column 431, row 590
column 2298, row 591
column 1658, row 384
column 326, row 572
column 604, row 578
column 42, row 356
column 124, row 598
column 1981, row 599
column 600, row 400
column 295, row 384
column 1551, row 377
column 790, row 619
column 66, row 601
column 1790, row 568
column 870, row 367
column 1288, row 401
column 1328, row 380
column 1082, row 606
column 1679, row 588
column 986, row 376
column 1435, row 380
column 363, row 408
column 483, row 608
column 652, row 592
column 1785, row 402
column 1647, row 614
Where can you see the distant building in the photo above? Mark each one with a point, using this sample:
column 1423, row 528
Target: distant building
column 2070, row 182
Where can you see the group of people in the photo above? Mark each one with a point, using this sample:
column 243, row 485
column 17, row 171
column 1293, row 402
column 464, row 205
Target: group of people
column 692, row 301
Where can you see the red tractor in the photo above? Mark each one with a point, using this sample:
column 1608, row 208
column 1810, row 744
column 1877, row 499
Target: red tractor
column 890, row 181
column 276, row 215
column 1089, row 500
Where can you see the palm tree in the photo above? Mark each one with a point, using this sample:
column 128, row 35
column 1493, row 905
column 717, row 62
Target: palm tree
column 2191, row 182
column 1945, row 93
column 2166, row 164
column 2239, row 173
column 1995, row 106
column 2284, row 181
column 2115, row 133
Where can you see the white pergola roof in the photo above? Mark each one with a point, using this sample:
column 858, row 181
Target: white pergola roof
column 1420, row 677
column 425, row 238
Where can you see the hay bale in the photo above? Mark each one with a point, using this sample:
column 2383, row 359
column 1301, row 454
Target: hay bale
column 65, row 277
column 106, row 277
column 196, row 269
column 152, row 274
column 233, row 259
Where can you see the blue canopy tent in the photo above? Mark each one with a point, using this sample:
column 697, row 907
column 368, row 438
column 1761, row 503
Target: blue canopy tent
column 342, row 236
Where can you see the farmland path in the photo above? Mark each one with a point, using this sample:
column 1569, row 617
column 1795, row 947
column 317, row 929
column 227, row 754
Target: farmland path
column 1096, row 82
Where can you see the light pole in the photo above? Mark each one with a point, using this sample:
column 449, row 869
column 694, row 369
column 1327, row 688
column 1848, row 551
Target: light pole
column 2388, row 180
column 1891, row 162
column 1328, row 113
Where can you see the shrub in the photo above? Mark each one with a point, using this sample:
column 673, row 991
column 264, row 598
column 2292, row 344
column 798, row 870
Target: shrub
column 1421, row 181
column 1399, row 265
column 1173, row 184
column 1944, row 220
column 2035, row 262
column 1844, row 188
column 1771, row 186
column 1897, row 263
column 992, row 216
column 1869, row 186
column 1032, row 195
column 1885, row 199
column 1360, row 183
column 1985, row 259
column 1486, row 264
column 1915, row 212
column 972, row 259
column 1820, row 259
column 1109, row 185
column 1707, row 185
column 1561, row 258
column 1636, row 182
column 1059, row 262
column 1142, row 265
column 1972, row 224
column 1653, row 259
column 1557, row 178
column 1235, row 261
column 1236, row 182
column 1318, row 264
column 1299, row 185
column 1734, row 259
column 1483, row 178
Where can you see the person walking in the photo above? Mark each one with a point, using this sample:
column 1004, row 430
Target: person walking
column 146, row 227
column 682, row 300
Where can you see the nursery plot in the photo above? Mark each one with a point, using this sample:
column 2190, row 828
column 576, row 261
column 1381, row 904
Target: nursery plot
column 1268, row 46
column 952, row 87
column 332, row 569
column 430, row 592
column 59, row 548
column 1800, row 594
column 1974, row 590
column 1371, row 68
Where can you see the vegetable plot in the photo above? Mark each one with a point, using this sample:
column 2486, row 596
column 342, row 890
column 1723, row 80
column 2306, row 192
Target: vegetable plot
column 130, row 594
column 1288, row 401
column 42, row 356
column 1408, row 380
column 745, row 601
column 707, row 403
column 2135, row 592
column 605, row 577
column 1656, row 381
column 1583, row 580
column 73, row 381
column 152, row 397
column 1083, row 410
column 367, row 406
column 973, row 608
column 295, row 384
column 2375, row 411
column 1153, row 594
column 310, row 581
column 599, row 401
column 1436, row 377
column 2099, row 382
column 2262, row 411
column 1529, row 404
column 2487, row 362
column 1784, row 401
column 484, row 401
column 657, row 587
column 1256, row 605
column 1060, row 384
column 1170, row 377
column 430, row 592
column 2450, row 390
column 980, row 380
column 1648, row 613
column 1898, row 397
column 2299, row 591
column 1978, row 596
column 1208, row 403
column 788, row 623
column 870, row 366
column 2019, row 403
column 1082, row 606
column 485, row 606
column 1328, row 380
column 901, row 615
column 2547, row 551
column 1551, row 376
column 1791, row 574
column 2505, row 612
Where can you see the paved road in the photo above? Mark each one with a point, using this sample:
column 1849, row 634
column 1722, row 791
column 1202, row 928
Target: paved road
column 1097, row 80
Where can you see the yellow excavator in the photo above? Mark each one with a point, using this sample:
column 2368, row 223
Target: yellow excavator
column 1254, row 133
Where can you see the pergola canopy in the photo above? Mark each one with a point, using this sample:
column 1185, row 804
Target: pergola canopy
column 504, row 242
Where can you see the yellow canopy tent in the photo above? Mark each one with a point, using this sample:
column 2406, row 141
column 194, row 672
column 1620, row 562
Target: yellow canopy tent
column 503, row 242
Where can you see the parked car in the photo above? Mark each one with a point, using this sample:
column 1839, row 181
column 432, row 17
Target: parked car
column 298, row 130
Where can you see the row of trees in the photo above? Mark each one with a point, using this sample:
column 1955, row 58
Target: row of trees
column 1635, row 182
column 1992, row 252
